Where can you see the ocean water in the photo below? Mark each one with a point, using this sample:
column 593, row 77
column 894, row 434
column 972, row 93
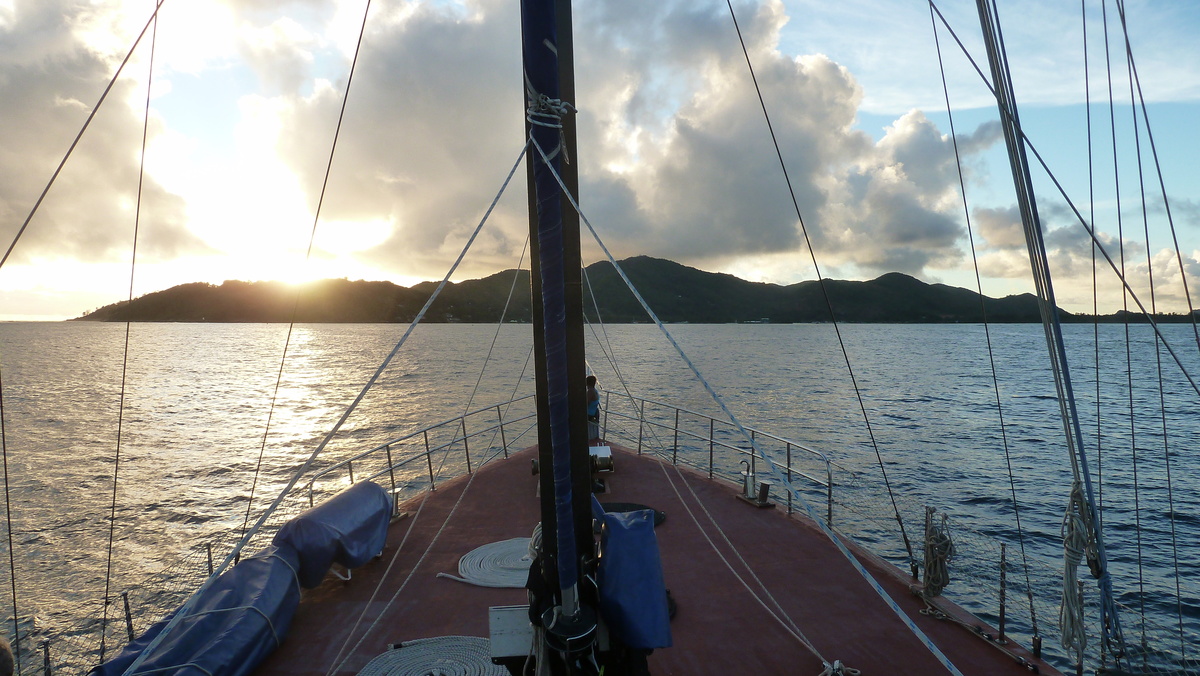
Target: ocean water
column 196, row 400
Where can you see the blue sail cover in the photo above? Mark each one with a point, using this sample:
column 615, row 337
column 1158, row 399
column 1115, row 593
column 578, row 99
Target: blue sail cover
column 633, row 597
column 235, row 623
column 349, row 528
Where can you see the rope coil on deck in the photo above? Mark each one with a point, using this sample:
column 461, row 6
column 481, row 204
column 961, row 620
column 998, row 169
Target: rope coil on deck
column 443, row 655
column 503, row 564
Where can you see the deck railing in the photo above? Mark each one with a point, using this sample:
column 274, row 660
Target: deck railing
column 508, row 423
column 714, row 445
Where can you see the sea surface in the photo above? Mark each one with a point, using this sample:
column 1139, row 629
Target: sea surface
column 191, row 404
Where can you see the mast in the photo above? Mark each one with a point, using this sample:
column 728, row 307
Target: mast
column 1014, row 139
column 556, row 281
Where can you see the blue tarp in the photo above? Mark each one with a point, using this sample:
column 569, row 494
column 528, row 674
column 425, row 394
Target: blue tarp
column 349, row 529
column 633, row 597
column 240, row 619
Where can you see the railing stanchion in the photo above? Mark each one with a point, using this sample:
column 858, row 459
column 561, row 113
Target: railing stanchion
column 753, row 468
column 503, row 441
column 350, row 468
column 604, row 426
column 641, row 424
column 429, row 460
column 46, row 657
column 675, row 451
column 829, row 493
column 391, row 468
column 711, row 433
column 208, row 548
column 1003, row 587
column 128, row 615
column 789, row 476
column 466, row 447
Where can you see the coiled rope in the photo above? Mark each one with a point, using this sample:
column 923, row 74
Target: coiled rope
column 503, row 565
column 1075, row 543
column 442, row 655
column 939, row 549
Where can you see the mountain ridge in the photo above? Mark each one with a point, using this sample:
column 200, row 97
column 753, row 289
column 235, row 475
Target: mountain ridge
column 676, row 292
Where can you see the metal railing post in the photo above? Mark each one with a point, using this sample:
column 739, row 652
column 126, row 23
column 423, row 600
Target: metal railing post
column 641, row 424
column 46, row 657
column 789, row 477
column 829, row 493
column 429, row 460
column 466, row 447
column 1003, row 587
column 711, row 432
column 503, row 441
column 128, row 615
column 675, row 451
column 350, row 467
column 391, row 468
column 753, row 469
column 604, row 427
column 208, row 548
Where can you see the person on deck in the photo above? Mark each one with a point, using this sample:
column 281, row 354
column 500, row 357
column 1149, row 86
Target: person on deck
column 593, row 409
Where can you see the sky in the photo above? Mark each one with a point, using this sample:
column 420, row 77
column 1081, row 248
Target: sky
column 675, row 158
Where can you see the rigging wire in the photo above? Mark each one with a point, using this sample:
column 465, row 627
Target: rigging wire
column 1028, row 143
column 779, row 614
column 338, row 662
column 912, row 561
column 1158, row 171
column 12, row 563
column 986, row 330
column 1137, row 510
column 300, row 471
column 1162, row 403
column 307, row 257
column 499, row 325
column 1087, row 101
column 137, row 217
column 744, row 433
column 38, row 203
column 1039, row 262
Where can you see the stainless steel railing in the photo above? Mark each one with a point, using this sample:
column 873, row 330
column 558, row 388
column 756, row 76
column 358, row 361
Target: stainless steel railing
column 512, row 420
column 701, row 432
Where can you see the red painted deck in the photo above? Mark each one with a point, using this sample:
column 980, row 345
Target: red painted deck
column 721, row 627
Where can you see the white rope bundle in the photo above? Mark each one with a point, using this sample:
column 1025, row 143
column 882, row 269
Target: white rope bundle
column 440, row 656
column 503, row 564
column 1075, row 543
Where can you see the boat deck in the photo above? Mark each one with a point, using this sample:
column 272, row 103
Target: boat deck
column 721, row 626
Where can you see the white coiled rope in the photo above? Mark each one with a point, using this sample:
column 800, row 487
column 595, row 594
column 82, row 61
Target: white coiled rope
column 440, row 656
column 503, row 564
column 1075, row 543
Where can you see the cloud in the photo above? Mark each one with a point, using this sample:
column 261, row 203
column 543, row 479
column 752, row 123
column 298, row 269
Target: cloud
column 51, row 79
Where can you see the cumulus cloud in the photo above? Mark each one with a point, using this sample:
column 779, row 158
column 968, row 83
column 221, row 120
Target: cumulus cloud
column 675, row 157
column 52, row 76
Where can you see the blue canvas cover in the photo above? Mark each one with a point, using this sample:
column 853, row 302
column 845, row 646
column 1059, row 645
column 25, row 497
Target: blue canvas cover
column 633, row 597
column 239, row 620
column 350, row 528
